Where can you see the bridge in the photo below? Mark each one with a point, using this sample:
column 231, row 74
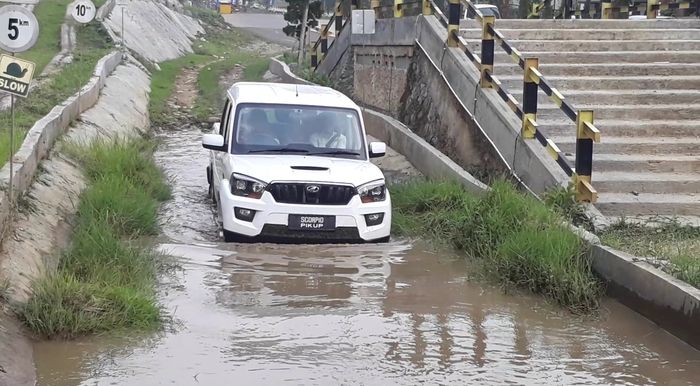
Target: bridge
column 608, row 105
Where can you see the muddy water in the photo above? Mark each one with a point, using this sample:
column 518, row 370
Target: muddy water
column 376, row 315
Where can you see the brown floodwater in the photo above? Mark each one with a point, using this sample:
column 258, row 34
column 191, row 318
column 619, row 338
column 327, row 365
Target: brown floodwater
column 398, row 313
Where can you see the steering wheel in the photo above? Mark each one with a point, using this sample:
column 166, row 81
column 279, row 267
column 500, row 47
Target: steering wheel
column 333, row 138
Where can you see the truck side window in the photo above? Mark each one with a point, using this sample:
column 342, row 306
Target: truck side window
column 226, row 122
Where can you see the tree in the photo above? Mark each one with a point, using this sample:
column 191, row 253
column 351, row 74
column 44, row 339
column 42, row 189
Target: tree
column 300, row 12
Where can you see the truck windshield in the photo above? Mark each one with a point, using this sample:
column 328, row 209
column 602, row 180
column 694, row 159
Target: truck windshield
column 301, row 130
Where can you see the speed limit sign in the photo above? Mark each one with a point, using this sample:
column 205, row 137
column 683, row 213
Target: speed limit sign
column 19, row 28
column 83, row 11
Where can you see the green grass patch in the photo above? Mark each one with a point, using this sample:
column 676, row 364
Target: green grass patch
column 221, row 52
column 92, row 46
column 211, row 93
column 106, row 279
column 673, row 247
column 163, row 85
column 50, row 15
column 520, row 241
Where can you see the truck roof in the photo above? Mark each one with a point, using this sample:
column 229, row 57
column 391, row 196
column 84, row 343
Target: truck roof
column 289, row 94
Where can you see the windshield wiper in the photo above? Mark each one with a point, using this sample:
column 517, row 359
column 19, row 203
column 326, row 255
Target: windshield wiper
column 280, row 150
column 335, row 152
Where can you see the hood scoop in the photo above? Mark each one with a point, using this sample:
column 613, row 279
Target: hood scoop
column 313, row 168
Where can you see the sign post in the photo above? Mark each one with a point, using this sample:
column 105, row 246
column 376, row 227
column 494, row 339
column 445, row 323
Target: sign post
column 83, row 12
column 19, row 30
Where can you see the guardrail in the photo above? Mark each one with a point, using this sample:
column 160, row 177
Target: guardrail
column 533, row 80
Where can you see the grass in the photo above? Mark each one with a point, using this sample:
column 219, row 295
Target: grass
column 673, row 247
column 222, row 51
column 163, row 85
column 563, row 200
column 50, row 15
column 520, row 241
column 92, row 46
column 105, row 280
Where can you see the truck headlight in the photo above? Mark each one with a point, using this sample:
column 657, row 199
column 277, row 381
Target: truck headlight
column 374, row 191
column 244, row 186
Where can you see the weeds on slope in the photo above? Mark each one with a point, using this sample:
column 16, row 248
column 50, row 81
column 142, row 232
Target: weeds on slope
column 520, row 241
column 91, row 46
column 222, row 51
column 106, row 280
column 669, row 245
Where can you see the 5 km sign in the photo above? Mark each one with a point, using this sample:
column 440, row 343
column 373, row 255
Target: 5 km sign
column 19, row 28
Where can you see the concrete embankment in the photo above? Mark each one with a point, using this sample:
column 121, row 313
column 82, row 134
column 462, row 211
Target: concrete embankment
column 49, row 183
column 42, row 225
column 153, row 31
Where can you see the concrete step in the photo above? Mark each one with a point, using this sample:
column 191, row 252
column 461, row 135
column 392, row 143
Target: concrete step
column 634, row 145
column 625, row 182
column 652, row 163
column 561, row 46
column 623, row 97
column 648, row 204
column 589, row 24
column 564, row 84
column 604, row 69
column 588, row 34
column 626, row 128
column 634, row 112
column 582, row 57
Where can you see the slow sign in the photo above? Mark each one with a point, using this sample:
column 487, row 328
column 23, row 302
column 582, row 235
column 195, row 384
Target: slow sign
column 15, row 75
column 83, row 11
column 19, row 28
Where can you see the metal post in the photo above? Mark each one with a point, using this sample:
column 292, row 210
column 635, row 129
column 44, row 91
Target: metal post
column 453, row 16
column 375, row 4
column 324, row 40
column 586, row 134
column 12, row 145
column 427, row 9
column 398, row 8
column 652, row 6
column 606, row 9
column 338, row 18
column 530, row 88
column 487, row 46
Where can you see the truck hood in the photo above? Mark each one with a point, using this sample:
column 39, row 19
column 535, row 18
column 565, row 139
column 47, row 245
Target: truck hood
column 273, row 168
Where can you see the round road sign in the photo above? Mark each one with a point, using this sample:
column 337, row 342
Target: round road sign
column 19, row 29
column 83, row 11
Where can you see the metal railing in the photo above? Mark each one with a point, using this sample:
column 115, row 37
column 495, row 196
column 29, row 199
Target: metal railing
column 533, row 80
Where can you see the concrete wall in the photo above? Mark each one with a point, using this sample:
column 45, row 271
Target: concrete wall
column 380, row 76
column 43, row 134
column 470, row 124
column 669, row 302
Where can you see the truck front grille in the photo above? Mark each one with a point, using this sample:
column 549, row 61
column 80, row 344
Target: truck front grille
column 312, row 194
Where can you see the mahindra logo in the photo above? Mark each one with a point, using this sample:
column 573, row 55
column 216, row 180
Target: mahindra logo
column 313, row 188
